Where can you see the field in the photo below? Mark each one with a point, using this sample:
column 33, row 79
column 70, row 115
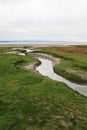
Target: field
column 30, row 101
column 73, row 65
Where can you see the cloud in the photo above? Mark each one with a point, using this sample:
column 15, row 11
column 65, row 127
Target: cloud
column 43, row 19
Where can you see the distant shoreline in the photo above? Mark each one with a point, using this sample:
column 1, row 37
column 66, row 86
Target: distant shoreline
column 7, row 44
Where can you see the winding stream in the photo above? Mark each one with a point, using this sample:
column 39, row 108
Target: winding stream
column 46, row 69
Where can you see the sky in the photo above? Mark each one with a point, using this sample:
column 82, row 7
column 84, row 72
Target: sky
column 52, row 20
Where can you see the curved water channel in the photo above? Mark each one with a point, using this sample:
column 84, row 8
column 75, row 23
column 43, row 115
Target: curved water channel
column 46, row 69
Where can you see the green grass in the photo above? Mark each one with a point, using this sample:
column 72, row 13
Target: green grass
column 29, row 101
column 81, row 46
column 4, row 49
column 73, row 66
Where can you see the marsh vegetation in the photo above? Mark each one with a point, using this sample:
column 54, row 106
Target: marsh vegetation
column 73, row 65
column 30, row 101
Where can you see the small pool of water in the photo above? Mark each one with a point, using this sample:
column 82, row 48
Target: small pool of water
column 23, row 54
column 29, row 50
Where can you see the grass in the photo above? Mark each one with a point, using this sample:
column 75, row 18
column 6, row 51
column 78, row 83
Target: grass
column 73, row 65
column 29, row 101
column 4, row 49
column 81, row 46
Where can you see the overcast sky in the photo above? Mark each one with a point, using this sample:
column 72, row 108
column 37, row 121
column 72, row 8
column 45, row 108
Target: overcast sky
column 59, row 20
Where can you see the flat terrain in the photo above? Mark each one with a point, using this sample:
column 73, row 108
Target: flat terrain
column 40, row 44
column 73, row 65
column 30, row 101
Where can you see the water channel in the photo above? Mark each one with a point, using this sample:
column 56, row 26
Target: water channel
column 46, row 69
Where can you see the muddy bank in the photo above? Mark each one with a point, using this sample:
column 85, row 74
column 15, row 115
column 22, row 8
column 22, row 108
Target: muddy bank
column 46, row 56
column 33, row 66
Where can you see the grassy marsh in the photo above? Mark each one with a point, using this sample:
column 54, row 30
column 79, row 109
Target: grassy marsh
column 73, row 65
column 29, row 101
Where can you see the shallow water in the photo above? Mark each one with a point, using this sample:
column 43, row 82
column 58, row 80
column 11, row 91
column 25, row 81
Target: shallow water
column 46, row 69
column 23, row 54
column 29, row 50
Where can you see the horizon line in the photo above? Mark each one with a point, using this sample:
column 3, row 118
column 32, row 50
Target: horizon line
column 4, row 41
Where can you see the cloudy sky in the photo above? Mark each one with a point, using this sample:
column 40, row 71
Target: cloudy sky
column 59, row 20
